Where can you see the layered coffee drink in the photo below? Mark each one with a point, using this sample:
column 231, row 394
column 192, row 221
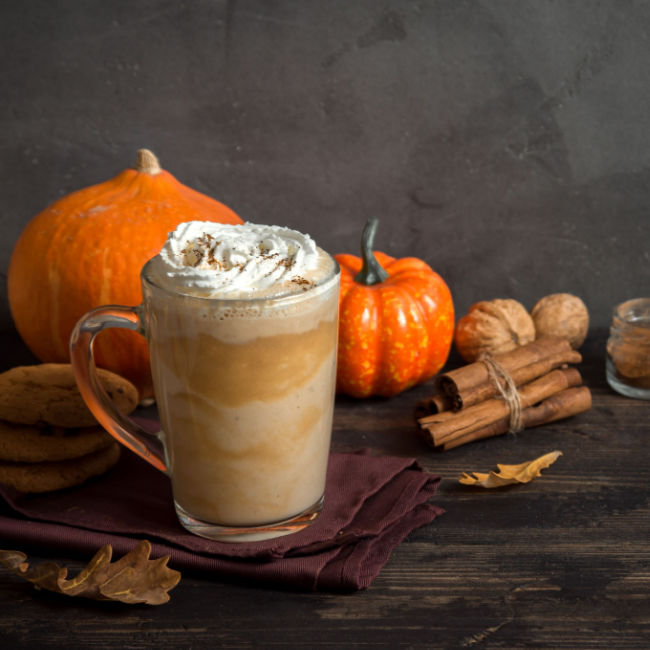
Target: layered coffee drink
column 242, row 327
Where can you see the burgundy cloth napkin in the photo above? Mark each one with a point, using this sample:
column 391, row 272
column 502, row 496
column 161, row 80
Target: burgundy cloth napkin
column 371, row 504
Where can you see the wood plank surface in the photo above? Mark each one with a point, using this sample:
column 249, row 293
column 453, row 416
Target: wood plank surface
column 562, row 562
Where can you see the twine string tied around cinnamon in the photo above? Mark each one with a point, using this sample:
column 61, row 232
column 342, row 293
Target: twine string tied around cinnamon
column 508, row 391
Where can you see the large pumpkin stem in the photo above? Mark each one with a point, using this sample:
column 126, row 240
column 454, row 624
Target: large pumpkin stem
column 147, row 162
column 371, row 271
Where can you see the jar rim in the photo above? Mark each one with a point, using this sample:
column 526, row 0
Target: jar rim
column 635, row 310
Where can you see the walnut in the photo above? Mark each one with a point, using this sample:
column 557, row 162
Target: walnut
column 562, row 314
column 493, row 327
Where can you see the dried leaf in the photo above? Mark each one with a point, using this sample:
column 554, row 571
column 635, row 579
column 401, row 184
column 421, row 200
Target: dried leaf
column 510, row 474
column 132, row 579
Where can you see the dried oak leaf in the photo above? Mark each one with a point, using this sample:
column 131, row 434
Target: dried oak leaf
column 510, row 474
column 132, row 579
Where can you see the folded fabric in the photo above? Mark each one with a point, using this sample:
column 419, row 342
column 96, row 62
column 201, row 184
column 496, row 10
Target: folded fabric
column 371, row 504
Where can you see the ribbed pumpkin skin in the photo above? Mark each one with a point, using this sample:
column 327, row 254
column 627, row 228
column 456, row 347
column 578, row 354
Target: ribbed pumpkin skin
column 394, row 334
column 87, row 250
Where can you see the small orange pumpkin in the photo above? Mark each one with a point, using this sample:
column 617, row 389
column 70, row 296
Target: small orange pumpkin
column 396, row 322
column 87, row 250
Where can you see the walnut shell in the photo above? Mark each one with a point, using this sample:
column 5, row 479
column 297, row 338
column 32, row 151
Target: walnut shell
column 562, row 314
column 493, row 327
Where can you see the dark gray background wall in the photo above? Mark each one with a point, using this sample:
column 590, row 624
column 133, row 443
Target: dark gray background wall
column 506, row 142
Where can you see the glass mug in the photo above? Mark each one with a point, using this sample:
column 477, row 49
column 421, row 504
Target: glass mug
column 245, row 394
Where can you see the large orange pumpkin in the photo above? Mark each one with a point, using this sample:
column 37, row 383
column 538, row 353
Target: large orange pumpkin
column 396, row 322
column 87, row 250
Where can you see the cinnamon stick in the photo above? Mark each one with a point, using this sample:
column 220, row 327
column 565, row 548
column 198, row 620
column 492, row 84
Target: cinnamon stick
column 443, row 428
column 436, row 404
column 561, row 405
column 472, row 383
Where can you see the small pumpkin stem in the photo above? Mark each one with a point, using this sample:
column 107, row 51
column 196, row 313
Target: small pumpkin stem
column 147, row 162
column 371, row 271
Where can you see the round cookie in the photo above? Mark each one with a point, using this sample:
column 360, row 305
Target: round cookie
column 22, row 443
column 47, row 477
column 47, row 394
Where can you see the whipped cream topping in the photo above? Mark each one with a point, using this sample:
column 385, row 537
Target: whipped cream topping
column 239, row 260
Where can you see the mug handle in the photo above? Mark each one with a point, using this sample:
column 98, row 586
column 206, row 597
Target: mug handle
column 123, row 429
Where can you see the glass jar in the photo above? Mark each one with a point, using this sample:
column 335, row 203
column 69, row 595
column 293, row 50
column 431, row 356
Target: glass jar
column 628, row 349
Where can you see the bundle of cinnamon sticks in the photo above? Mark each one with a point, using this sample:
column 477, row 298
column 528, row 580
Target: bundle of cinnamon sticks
column 532, row 385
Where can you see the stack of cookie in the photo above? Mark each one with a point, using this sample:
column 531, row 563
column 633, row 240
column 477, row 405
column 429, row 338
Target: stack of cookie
column 49, row 439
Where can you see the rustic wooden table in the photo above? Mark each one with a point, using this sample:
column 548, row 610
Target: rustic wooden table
column 562, row 562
